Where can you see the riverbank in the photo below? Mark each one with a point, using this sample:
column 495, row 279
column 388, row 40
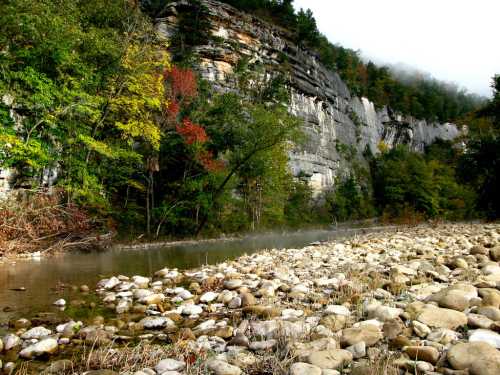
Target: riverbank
column 425, row 299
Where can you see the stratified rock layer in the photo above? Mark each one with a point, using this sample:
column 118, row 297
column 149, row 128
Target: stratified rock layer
column 336, row 122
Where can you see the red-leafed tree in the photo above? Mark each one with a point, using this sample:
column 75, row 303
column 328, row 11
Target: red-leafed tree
column 182, row 89
column 192, row 133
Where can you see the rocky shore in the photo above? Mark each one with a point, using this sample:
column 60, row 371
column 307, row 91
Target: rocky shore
column 425, row 300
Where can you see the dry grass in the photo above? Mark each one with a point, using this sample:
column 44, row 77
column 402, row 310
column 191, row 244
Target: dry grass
column 129, row 358
column 277, row 361
column 380, row 366
column 41, row 221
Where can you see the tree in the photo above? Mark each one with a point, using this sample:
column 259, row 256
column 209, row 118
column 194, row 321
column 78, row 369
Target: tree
column 480, row 163
column 307, row 30
column 402, row 178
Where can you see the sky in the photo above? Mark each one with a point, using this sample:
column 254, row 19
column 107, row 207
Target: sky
column 453, row 40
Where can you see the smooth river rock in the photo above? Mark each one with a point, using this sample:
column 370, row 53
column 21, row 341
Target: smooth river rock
column 437, row 317
column 479, row 357
column 46, row 346
column 330, row 359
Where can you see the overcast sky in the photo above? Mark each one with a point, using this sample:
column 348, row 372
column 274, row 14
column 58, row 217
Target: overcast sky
column 454, row 40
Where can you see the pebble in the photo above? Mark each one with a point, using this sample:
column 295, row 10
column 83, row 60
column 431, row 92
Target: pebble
column 400, row 291
column 330, row 359
column 223, row 368
column 45, row 346
column 300, row 368
column 169, row 365
column 209, row 297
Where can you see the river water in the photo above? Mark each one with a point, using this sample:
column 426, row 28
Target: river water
column 43, row 279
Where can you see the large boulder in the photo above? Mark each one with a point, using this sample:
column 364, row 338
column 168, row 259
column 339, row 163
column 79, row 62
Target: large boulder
column 479, row 358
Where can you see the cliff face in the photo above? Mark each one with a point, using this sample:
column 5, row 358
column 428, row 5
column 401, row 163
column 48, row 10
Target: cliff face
column 339, row 126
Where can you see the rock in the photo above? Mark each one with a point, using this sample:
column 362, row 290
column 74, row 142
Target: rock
column 479, row 321
column 442, row 318
column 239, row 340
column 60, row 302
column 454, row 299
column 101, row 372
column 362, row 368
column 247, row 299
column 358, row 350
column 192, row 310
column 300, row 288
column 185, row 294
column 329, row 372
column 443, row 336
column 369, row 334
column 235, row 303
column 10, row 341
column 337, row 310
column 157, row 322
column 209, row 297
column 222, row 368
column 141, row 282
column 495, row 253
column 384, row 313
column 330, row 359
column 60, row 366
column 490, row 312
column 21, row 323
column 292, row 314
column 490, row 297
column 303, row 350
column 169, row 364
column 1, row 347
column 223, row 332
column 45, row 346
column 301, row 368
column 241, row 359
column 233, row 284
column 423, row 353
column 263, row 345
column 185, row 334
column 262, row 311
column 460, row 263
column 400, row 342
column 36, row 333
column 84, row 288
column 334, row 322
column 420, row 329
column 479, row 357
column 123, row 306
column 111, row 283
column 392, row 328
column 485, row 335
column 9, row 368
column 478, row 249
column 153, row 299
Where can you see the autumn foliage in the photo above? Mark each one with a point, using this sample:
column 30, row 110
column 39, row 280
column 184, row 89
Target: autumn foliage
column 182, row 90
column 192, row 133
column 182, row 83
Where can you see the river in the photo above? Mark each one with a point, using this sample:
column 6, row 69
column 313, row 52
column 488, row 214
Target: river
column 43, row 279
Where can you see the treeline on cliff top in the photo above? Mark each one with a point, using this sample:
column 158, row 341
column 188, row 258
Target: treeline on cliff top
column 418, row 95
column 92, row 103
